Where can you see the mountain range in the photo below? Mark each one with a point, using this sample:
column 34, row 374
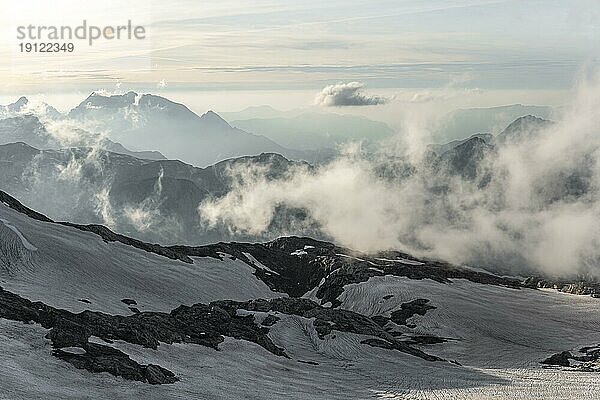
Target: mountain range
column 309, row 129
column 462, row 123
column 173, row 202
column 112, row 284
column 154, row 199
column 176, row 131
column 148, row 199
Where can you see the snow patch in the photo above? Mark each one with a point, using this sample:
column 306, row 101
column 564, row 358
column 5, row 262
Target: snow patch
column 402, row 260
column 73, row 350
column 259, row 264
column 347, row 256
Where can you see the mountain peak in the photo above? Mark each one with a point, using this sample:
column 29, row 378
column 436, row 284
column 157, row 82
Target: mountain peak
column 214, row 119
column 527, row 126
column 18, row 105
column 527, row 119
column 99, row 101
column 129, row 94
column 172, row 109
column 210, row 114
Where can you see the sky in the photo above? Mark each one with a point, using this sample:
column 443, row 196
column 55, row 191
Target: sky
column 476, row 52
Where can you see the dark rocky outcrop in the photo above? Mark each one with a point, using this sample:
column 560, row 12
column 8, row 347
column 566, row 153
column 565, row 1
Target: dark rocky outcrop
column 327, row 320
column 109, row 236
column 200, row 324
column 580, row 286
column 400, row 346
column 560, row 359
column 98, row 358
column 270, row 320
column 401, row 317
column 407, row 310
column 308, row 362
column 17, row 206
column 587, row 359
column 426, row 339
column 361, row 268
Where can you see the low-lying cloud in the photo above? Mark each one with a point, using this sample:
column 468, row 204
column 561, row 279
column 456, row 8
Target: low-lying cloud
column 538, row 210
column 348, row 94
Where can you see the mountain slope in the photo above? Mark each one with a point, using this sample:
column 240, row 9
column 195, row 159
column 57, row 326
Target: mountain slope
column 28, row 128
column 393, row 321
column 23, row 106
column 158, row 201
column 151, row 200
column 443, row 148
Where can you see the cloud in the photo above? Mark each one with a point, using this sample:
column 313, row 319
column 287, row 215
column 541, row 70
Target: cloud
column 452, row 89
column 443, row 94
column 146, row 215
column 538, row 212
column 347, row 94
column 76, row 182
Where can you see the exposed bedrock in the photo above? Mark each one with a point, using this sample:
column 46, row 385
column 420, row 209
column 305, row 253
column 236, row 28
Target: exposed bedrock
column 201, row 324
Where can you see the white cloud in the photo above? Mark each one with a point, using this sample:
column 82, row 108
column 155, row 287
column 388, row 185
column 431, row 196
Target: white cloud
column 347, row 94
column 527, row 216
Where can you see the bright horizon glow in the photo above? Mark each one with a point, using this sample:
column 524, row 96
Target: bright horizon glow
column 472, row 52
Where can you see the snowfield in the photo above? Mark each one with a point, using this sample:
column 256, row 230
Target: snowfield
column 24, row 241
column 498, row 331
column 496, row 335
column 70, row 265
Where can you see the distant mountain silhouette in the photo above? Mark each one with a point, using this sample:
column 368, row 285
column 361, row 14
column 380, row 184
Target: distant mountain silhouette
column 175, row 130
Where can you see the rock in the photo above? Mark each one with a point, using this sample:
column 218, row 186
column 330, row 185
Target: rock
column 561, row 359
column 200, row 324
column 579, row 286
column 100, row 358
column 157, row 375
column 531, row 282
column 407, row 310
column 323, row 328
column 380, row 320
column 426, row 339
column 308, row 362
column 326, row 320
column 270, row 320
column 129, row 302
column 403, row 347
